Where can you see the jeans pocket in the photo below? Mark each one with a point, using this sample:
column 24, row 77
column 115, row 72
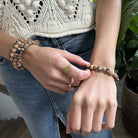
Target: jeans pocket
column 81, row 43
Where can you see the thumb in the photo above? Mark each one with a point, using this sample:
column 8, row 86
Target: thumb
column 75, row 59
column 79, row 74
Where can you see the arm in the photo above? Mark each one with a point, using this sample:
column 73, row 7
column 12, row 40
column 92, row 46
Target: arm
column 6, row 42
column 96, row 96
column 46, row 68
column 107, row 27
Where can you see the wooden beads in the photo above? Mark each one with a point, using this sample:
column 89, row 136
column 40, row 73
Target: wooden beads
column 104, row 70
column 17, row 50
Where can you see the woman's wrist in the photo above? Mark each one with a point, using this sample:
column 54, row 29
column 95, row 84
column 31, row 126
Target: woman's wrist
column 104, row 56
column 28, row 55
column 6, row 41
column 16, row 53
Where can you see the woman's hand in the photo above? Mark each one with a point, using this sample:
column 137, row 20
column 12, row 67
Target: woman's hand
column 47, row 66
column 95, row 97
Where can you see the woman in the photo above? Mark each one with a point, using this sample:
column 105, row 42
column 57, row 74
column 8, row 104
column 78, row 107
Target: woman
column 53, row 84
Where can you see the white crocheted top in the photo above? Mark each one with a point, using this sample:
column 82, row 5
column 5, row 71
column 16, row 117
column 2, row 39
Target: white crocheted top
column 48, row 18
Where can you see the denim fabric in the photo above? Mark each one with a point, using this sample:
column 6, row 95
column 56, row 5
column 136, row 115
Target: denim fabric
column 39, row 107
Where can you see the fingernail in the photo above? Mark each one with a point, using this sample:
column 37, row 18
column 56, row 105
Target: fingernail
column 85, row 134
column 76, row 132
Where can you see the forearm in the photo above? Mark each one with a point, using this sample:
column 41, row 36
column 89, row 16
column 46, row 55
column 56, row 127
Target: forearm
column 108, row 13
column 6, row 41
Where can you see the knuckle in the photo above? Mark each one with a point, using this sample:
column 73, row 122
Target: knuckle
column 89, row 102
column 53, row 75
column 112, row 104
column 77, row 99
column 79, row 58
column 80, row 76
column 101, row 104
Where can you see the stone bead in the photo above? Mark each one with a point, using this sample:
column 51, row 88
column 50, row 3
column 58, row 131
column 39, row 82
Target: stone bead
column 15, row 57
column 91, row 67
column 14, row 63
column 21, row 7
column 29, row 13
column 99, row 68
column 11, row 59
column 107, row 70
column 16, row 1
column 15, row 60
column 13, row 50
column 19, row 64
column 111, row 73
column 26, row 39
column 11, row 55
column 19, row 55
column 36, row 42
column 114, row 75
column 36, row 4
column 19, row 48
column 16, row 46
column 88, row 66
column 19, row 43
column 94, row 67
column 104, row 68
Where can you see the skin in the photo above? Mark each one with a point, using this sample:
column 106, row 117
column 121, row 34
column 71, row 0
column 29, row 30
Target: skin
column 96, row 94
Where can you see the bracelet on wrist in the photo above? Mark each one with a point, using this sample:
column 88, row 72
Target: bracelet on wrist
column 17, row 50
column 104, row 70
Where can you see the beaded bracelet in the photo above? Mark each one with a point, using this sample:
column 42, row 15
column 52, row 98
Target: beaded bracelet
column 17, row 50
column 104, row 70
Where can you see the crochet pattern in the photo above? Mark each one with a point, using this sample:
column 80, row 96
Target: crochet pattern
column 49, row 18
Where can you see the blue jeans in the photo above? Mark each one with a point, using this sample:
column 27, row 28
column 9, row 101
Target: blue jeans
column 40, row 107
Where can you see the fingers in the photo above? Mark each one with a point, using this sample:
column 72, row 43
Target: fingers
column 88, row 117
column 75, row 59
column 60, row 86
column 75, row 121
column 79, row 74
column 86, row 121
column 97, row 119
column 76, row 73
column 110, row 116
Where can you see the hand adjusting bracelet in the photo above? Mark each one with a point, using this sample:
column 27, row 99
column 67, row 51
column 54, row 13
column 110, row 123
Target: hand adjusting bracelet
column 104, row 70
